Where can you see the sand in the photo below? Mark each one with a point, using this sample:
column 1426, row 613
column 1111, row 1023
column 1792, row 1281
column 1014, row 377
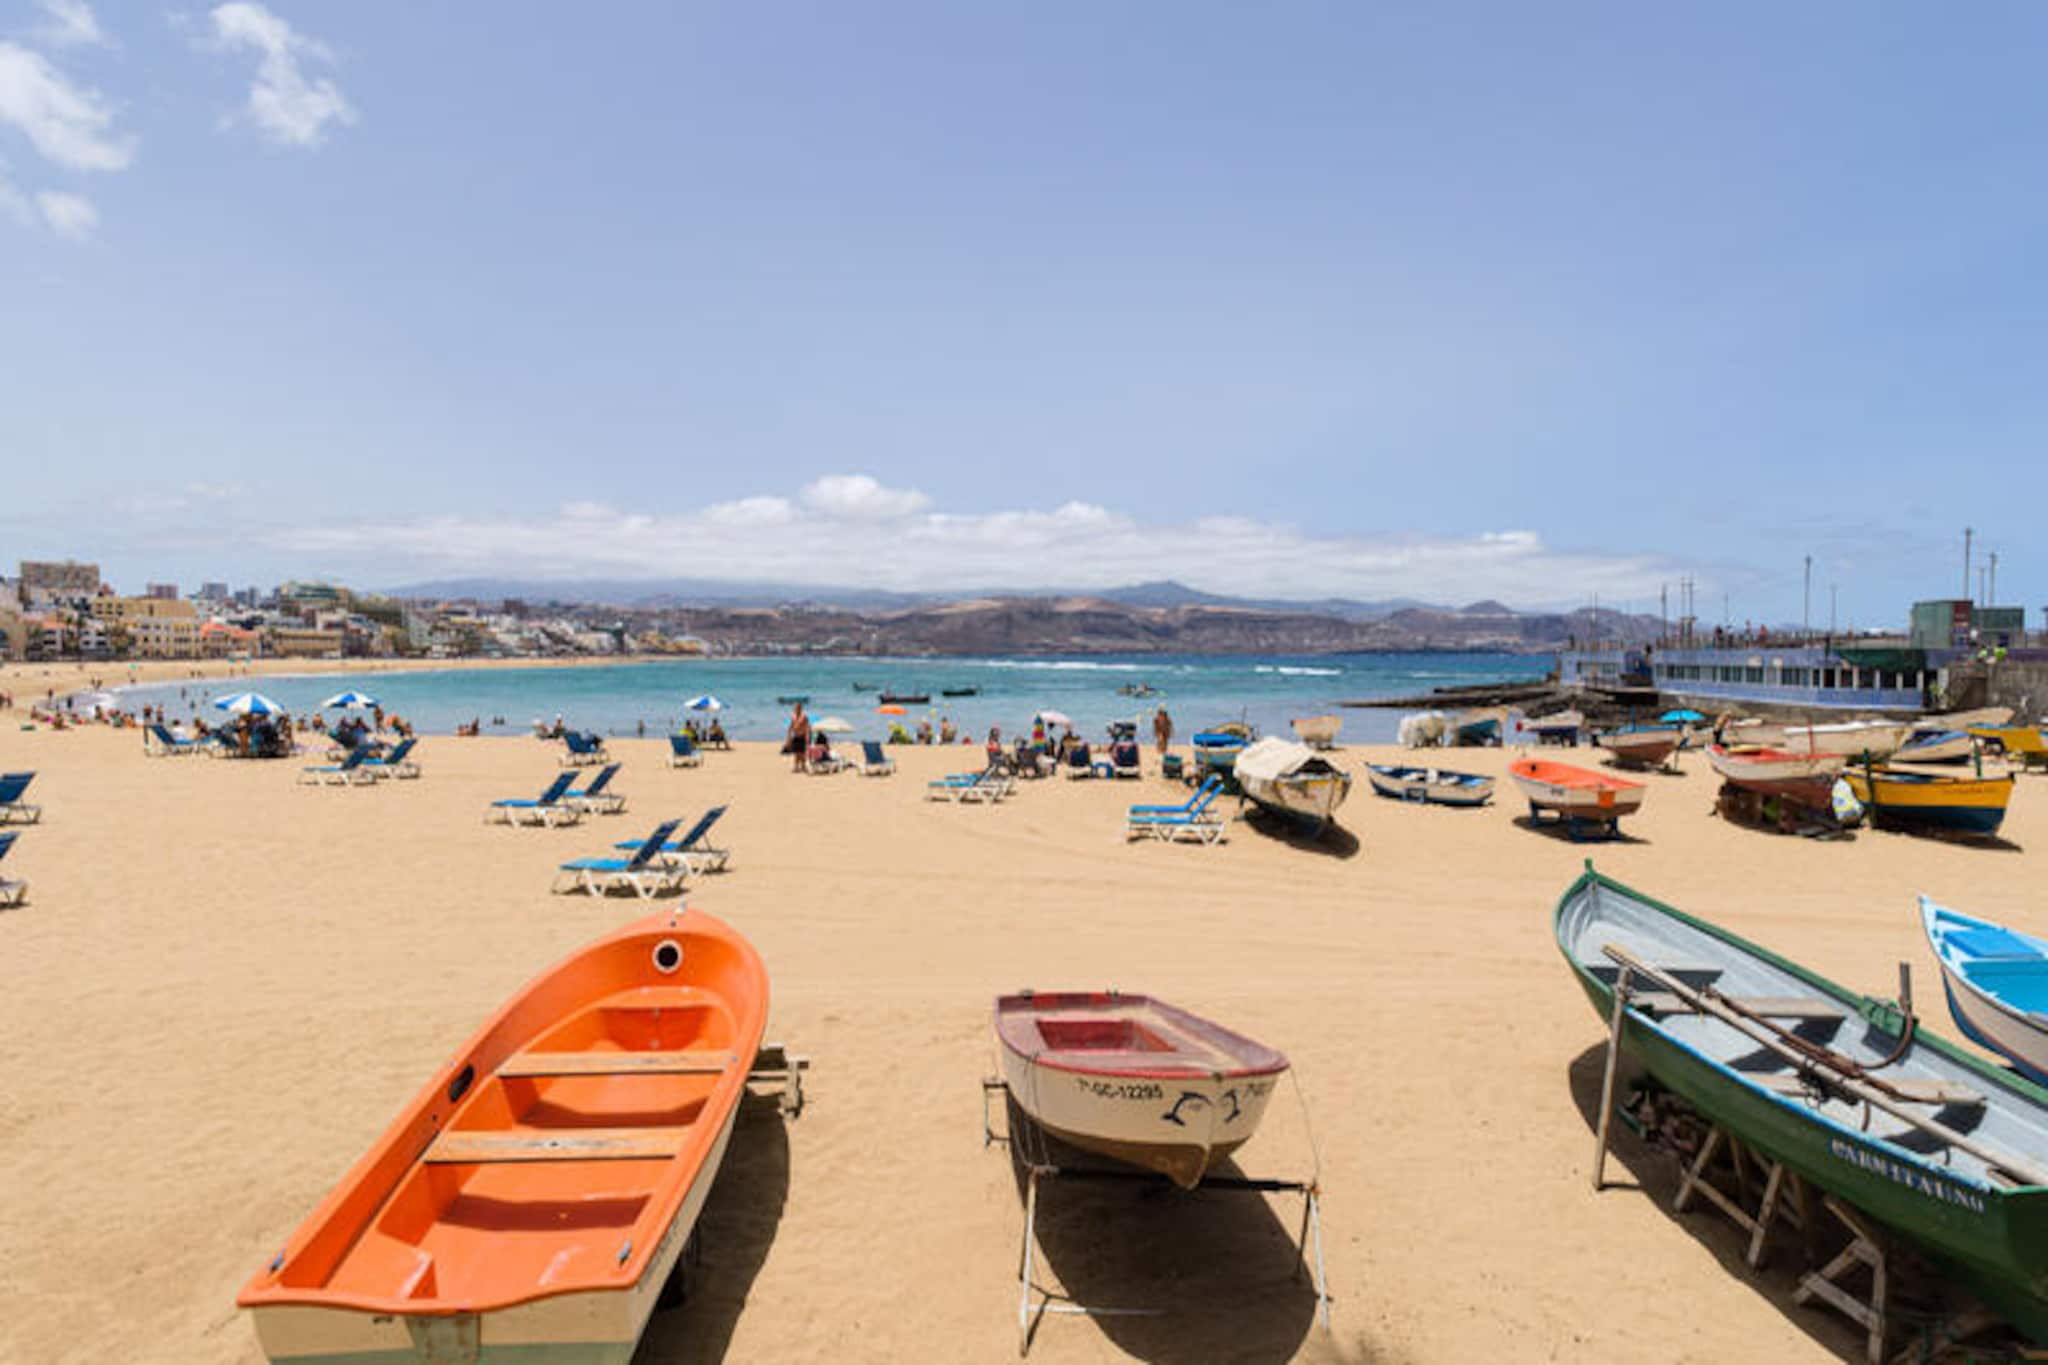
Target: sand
column 224, row 985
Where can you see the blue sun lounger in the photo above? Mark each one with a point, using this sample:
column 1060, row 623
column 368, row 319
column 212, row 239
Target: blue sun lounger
column 873, row 762
column 348, row 772
column 683, row 752
column 691, row 851
column 581, row 748
column 991, row 784
column 547, row 809
column 647, row 872
column 159, row 742
column 11, row 892
column 397, row 763
column 1171, row 823
column 598, row 798
column 14, row 810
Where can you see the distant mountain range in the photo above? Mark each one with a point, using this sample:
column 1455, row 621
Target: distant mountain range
column 1147, row 618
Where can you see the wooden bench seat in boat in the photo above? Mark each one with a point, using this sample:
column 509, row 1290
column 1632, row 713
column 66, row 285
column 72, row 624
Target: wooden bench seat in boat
column 615, row 1063
column 476, row 1147
column 1909, row 1089
column 1769, row 1006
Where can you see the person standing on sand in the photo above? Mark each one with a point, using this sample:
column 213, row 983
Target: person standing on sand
column 1162, row 730
column 799, row 740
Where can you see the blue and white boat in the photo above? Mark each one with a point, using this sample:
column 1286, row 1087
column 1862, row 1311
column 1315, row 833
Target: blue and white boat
column 1997, row 984
column 1433, row 785
column 1932, row 744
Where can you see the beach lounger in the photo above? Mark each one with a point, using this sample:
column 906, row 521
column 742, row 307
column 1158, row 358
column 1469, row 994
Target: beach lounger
column 347, row 773
column 692, row 851
column 1080, row 762
column 989, row 785
column 598, row 798
column 683, row 752
column 11, row 892
column 581, row 749
column 397, row 763
column 1123, row 759
column 14, row 810
column 159, row 742
column 547, row 809
column 646, row 873
column 825, row 766
column 1191, row 821
column 873, row 762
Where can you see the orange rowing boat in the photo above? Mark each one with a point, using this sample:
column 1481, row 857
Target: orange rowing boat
column 531, row 1202
column 1576, row 795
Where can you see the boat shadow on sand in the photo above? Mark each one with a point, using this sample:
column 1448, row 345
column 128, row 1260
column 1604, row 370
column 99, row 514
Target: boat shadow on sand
column 1333, row 841
column 1654, row 1173
column 1552, row 827
column 1199, row 1276
column 701, row 1305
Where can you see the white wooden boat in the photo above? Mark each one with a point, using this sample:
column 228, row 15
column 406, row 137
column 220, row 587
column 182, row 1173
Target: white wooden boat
column 1992, row 716
column 1808, row 779
column 1577, row 796
column 1750, row 732
column 1318, row 732
column 1433, row 785
column 1852, row 738
column 1643, row 746
column 1292, row 780
column 1997, row 983
column 1134, row 1079
column 1932, row 744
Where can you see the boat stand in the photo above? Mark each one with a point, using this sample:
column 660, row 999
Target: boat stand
column 1050, row 1301
column 1866, row 1248
column 776, row 1065
column 1578, row 828
column 1774, row 1206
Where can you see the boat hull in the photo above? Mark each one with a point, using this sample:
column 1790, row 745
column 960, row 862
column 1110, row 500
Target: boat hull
column 1641, row 750
column 1995, row 1239
column 1177, row 1112
column 1936, row 746
column 1310, row 799
column 1804, row 779
column 1575, row 792
column 1318, row 732
column 1946, row 805
column 1876, row 741
column 1427, row 785
column 2017, row 1034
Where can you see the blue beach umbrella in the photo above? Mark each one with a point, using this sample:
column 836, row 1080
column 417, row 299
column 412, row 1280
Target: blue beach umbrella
column 1685, row 714
column 707, row 702
column 351, row 701
column 248, row 704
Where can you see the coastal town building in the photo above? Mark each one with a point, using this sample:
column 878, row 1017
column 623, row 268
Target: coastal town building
column 57, row 582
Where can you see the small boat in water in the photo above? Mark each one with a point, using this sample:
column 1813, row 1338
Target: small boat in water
column 904, row 698
column 1475, row 728
column 1804, row 779
column 1318, row 732
column 1575, row 795
column 1997, row 983
column 1942, row 1147
column 1643, row 746
column 532, row 1201
column 1137, row 690
column 959, row 691
column 1292, row 780
column 1433, row 785
column 802, row 700
column 1931, row 802
column 1134, row 1079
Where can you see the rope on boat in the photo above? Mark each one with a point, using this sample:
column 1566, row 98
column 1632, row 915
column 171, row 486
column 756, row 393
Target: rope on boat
column 1315, row 1150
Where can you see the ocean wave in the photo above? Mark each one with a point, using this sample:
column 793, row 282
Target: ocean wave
column 1293, row 671
column 1058, row 665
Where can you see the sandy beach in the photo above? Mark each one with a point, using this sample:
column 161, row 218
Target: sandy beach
column 223, row 986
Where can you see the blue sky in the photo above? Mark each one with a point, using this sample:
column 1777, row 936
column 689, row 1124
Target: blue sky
column 1529, row 302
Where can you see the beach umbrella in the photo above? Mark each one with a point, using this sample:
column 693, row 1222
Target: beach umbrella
column 1685, row 714
column 351, row 701
column 892, row 709
column 831, row 725
column 1053, row 717
column 707, row 702
column 248, row 704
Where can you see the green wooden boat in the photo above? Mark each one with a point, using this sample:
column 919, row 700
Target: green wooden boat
column 1953, row 1155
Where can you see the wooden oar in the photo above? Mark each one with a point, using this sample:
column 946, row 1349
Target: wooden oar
column 2020, row 1166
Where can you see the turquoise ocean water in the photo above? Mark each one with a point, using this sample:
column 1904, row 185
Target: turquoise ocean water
column 619, row 698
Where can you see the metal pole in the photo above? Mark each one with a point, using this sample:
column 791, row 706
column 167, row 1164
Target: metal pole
column 1968, row 532
column 1806, row 601
column 1024, row 1288
column 1991, row 598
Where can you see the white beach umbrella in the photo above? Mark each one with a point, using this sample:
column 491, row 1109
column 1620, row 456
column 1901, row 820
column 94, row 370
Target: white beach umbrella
column 707, row 702
column 831, row 725
column 351, row 701
column 1053, row 717
column 248, row 704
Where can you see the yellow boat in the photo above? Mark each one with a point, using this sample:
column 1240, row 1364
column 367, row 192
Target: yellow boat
column 2023, row 743
column 1900, row 799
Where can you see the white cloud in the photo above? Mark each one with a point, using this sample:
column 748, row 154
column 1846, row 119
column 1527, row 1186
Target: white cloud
column 284, row 103
column 68, row 215
column 69, row 125
column 852, row 531
column 857, row 497
column 71, row 24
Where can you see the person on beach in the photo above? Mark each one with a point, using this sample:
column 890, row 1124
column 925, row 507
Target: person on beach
column 798, row 741
column 1162, row 730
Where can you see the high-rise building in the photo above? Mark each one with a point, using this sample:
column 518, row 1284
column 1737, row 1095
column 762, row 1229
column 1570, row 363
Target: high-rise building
column 162, row 592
